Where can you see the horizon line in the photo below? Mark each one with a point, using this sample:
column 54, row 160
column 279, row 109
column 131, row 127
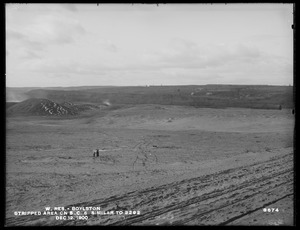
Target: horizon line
column 144, row 85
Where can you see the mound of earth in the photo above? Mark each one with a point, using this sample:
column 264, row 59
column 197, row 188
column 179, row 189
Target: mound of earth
column 37, row 106
column 67, row 104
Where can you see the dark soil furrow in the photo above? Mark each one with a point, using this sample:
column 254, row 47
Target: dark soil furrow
column 254, row 210
column 202, row 218
column 180, row 205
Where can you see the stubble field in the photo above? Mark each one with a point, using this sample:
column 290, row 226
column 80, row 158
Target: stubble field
column 177, row 165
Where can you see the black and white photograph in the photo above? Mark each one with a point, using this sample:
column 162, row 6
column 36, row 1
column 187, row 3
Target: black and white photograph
column 149, row 114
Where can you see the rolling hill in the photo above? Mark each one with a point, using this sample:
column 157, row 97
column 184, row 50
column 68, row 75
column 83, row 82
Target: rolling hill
column 205, row 96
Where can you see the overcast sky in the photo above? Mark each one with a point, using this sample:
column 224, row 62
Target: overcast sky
column 123, row 44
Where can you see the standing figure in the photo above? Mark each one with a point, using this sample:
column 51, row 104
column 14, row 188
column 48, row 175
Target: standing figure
column 96, row 153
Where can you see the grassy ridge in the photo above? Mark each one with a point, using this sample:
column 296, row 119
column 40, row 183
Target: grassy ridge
column 212, row 96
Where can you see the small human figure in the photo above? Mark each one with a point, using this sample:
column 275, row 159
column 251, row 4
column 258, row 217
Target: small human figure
column 96, row 153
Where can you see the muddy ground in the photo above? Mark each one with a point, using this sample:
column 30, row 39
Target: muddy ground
column 175, row 165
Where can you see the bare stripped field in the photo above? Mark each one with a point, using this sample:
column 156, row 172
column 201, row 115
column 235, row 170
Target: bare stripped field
column 176, row 165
